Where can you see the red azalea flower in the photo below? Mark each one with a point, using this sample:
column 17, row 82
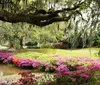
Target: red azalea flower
column 16, row 61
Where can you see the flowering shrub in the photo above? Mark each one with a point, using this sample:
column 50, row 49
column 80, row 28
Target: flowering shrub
column 36, row 64
column 26, row 63
column 49, row 67
column 6, row 57
column 62, row 70
column 28, row 78
column 69, row 71
column 83, row 75
column 82, row 72
column 7, row 80
column 69, row 63
column 16, row 61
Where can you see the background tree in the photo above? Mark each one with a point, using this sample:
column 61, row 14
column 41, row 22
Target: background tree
column 80, row 27
column 15, row 34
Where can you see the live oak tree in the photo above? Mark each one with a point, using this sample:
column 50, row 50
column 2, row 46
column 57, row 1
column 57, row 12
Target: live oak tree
column 15, row 34
column 44, row 12
column 82, row 16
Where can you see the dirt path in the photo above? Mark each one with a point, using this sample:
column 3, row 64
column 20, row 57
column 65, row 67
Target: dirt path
column 10, row 69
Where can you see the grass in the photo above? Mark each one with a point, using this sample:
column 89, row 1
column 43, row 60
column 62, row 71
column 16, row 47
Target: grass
column 46, row 54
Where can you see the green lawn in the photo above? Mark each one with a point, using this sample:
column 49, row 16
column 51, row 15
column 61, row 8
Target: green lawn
column 46, row 54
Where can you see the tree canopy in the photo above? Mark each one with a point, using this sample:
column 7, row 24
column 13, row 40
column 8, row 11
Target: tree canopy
column 45, row 12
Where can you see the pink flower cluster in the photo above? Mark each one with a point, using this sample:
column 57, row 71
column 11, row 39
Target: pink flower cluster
column 78, row 68
column 62, row 70
column 73, row 69
column 6, row 57
column 36, row 64
column 26, row 79
column 21, row 62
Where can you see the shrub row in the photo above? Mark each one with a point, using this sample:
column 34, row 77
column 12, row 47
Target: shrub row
column 70, row 71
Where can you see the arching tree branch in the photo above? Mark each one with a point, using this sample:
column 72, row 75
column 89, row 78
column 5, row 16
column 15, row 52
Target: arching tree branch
column 39, row 19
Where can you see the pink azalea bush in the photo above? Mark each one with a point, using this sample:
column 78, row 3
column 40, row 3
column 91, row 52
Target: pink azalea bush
column 6, row 57
column 62, row 70
column 49, row 67
column 69, row 71
column 25, row 63
column 80, row 70
column 36, row 64
column 26, row 79
column 21, row 62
